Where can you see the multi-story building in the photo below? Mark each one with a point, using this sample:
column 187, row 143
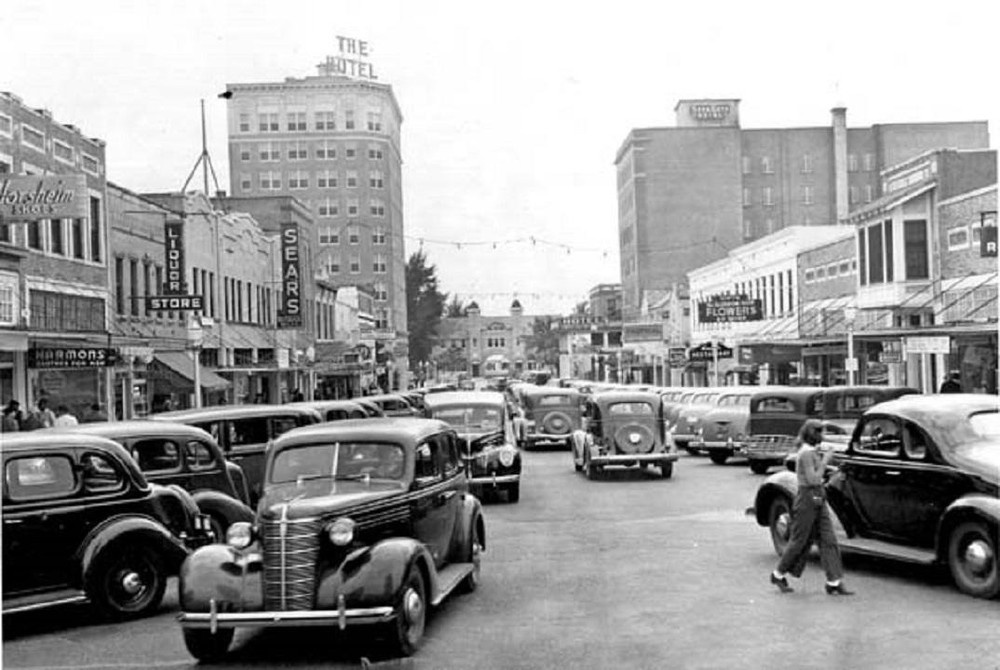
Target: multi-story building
column 690, row 193
column 53, row 270
column 334, row 143
column 486, row 345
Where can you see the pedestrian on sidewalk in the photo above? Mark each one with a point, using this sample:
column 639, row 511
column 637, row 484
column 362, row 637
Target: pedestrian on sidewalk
column 64, row 418
column 810, row 518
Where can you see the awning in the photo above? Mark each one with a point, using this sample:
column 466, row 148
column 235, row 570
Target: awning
column 182, row 364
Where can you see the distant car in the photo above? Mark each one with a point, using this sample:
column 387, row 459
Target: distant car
column 371, row 408
column 918, row 482
column 244, row 431
column 488, row 437
column 393, row 404
column 688, row 422
column 361, row 522
column 623, row 428
column 175, row 453
column 334, row 410
column 723, row 429
column 80, row 522
column 551, row 415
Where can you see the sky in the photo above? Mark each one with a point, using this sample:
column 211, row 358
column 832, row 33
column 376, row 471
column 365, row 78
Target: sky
column 513, row 111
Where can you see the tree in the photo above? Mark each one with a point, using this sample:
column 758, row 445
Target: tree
column 424, row 306
column 452, row 359
column 543, row 343
column 581, row 308
column 455, row 308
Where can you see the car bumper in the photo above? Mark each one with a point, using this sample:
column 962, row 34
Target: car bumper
column 622, row 459
column 493, row 480
column 342, row 617
column 685, row 437
column 547, row 437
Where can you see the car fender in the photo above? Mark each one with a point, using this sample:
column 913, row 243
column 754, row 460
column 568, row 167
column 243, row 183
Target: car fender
column 373, row 576
column 782, row 483
column 470, row 516
column 976, row 506
column 224, row 574
column 131, row 528
column 217, row 503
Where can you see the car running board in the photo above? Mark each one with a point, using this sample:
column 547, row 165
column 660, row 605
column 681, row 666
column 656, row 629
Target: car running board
column 864, row 545
column 449, row 578
column 41, row 600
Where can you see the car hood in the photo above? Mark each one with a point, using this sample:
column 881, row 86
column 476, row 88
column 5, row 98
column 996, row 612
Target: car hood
column 323, row 496
column 981, row 458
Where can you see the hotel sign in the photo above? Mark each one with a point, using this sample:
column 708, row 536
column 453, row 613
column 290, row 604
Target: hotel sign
column 290, row 315
column 351, row 61
column 32, row 197
column 727, row 308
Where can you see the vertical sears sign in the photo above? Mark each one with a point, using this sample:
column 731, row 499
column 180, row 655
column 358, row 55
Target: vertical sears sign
column 290, row 315
column 173, row 236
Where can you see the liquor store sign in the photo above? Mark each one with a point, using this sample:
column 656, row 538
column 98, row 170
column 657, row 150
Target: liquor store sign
column 71, row 357
column 33, row 197
column 174, row 287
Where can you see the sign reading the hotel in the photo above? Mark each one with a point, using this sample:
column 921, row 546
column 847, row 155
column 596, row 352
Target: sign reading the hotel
column 71, row 357
column 173, row 239
column 177, row 303
column 290, row 315
column 351, row 61
column 725, row 308
column 32, row 197
column 988, row 235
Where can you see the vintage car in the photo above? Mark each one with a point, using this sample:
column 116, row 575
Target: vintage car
column 688, row 418
column 919, row 482
column 723, row 429
column 486, row 428
column 175, row 453
column 80, row 522
column 674, row 401
column 393, row 404
column 361, row 522
column 551, row 414
column 334, row 410
column 624, row 428
column 244, row 431
column 371, row 408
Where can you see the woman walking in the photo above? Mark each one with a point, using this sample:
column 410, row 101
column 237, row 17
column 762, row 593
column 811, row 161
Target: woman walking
column 810, row 518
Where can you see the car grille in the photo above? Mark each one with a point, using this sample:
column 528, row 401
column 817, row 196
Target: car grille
column 291, row 548
column 770, row 445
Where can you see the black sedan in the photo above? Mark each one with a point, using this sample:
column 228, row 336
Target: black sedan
column 918, row 482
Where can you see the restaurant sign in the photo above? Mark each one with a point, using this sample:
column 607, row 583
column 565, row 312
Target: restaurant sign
column 726, row 308
column 710, row 351
column 71, row 357
column 33, row 197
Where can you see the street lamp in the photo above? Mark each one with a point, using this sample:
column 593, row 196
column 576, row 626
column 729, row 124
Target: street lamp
column 851, row 363
column 195, row 333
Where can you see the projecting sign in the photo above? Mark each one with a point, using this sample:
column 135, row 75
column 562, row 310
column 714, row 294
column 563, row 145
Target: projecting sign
column 290, row 315
column 173, row 241
column 32, row 197
column 704, row 352
column 724, row 308
column 988, row 235
column 928, row 344
column 177, row 303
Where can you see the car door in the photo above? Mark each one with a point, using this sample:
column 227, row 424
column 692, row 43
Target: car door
column 160, row 460
column 435, row 505
column 205, row 468
column 247, row 440
column 873, row 477
column 41, row 511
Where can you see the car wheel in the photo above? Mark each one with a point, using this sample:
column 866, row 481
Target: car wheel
column 590, row 470
column 972, row 558
column 514, row 492
column 666, row 470
column 411, row 615
column 718, row 457
column 207, row 646
column 759, row 467
column 779, row 520
column 127, row 582
column 475, row 554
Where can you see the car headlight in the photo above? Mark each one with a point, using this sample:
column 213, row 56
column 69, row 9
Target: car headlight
column 239, row 535
column 507, row 455
column 341, row 531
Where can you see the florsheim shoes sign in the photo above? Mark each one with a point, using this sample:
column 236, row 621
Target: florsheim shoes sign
column 32, row 197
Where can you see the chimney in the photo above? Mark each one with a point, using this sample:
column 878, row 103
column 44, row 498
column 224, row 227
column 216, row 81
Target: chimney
column 840, row 185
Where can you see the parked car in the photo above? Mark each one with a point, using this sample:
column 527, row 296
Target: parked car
column 244, row 431
column 918, row 482
column 624, row 428
column 361, row 522
column 334, row 410
column 551, row 414
column 723, row 429
column 486, row 428
column 416, row 400
column 175, row 453
column 688, row 418
column 80, row 522
column 674, row 402
column 371, row 408
column 393, row 404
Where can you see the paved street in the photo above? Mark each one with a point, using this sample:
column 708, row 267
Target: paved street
column 630, row 571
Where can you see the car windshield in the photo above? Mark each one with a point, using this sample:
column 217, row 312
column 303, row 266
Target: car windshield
column 469, row 418
column 553, row 400
column 631, row 408
column 986, row 424
column 734, row 401
column 341, row 460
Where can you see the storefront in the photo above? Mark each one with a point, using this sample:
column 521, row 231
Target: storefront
column 170, row 382
column 974, row 357
column 73, row 376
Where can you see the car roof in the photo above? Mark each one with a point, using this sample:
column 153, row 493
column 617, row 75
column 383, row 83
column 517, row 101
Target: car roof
column 919, row 406
column 405, row 430
column 132, row 428
column 534, row 391
column 229, row 412
column 57, row 439
column 323, row 405
column 386, row 396
column 789, row 391
column 466, row 398
column 614, row 397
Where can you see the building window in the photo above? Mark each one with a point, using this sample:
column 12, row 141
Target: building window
column 353, row 235
column 807, row 165
column 62, row 152
column 769, row 225
column 329, row 208
column 765, row 165
column 268, row 123
column 270, row 181
column 352, row 207
column 245, row 152
column 90, row 165
column 375, row 121
column 6, row 126
column 375, row 179
column 355, row 265
column 326, row 179
column 862, row 255
column 852, row 194
column 376, row 208
column 887, row 243
column 133, row 276
column 807, row 195
column 378, row 235
column 810, row 276
column 869, row 162
column 8, row 300
column 374, row 152
column 244, row 123
column 333, row 264
column 845, row 268
column 852, row 163
column 57, row 245
column 350, row 151
column 32, row 137
column 378, row 265
column 326, row 121
column 298, row 151
column 246, row 182
column 329, row 235
column 768, row 196
column 747, row 228
column 746, row 165
column 296, row 121
column 299, row 179
column 120, row 285
column 349, row 119
column 915, row 247
column 35, row 235
column 381, row 294
column 831, row 271
column 869, row 192
column 76, row 228
column 270, row 151
column 747, row 200
column 326, row 150
column 352, row 179
column 875, row 255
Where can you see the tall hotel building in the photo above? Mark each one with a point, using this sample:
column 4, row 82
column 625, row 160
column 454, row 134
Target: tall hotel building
column 690, row 193
column 334, row 143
